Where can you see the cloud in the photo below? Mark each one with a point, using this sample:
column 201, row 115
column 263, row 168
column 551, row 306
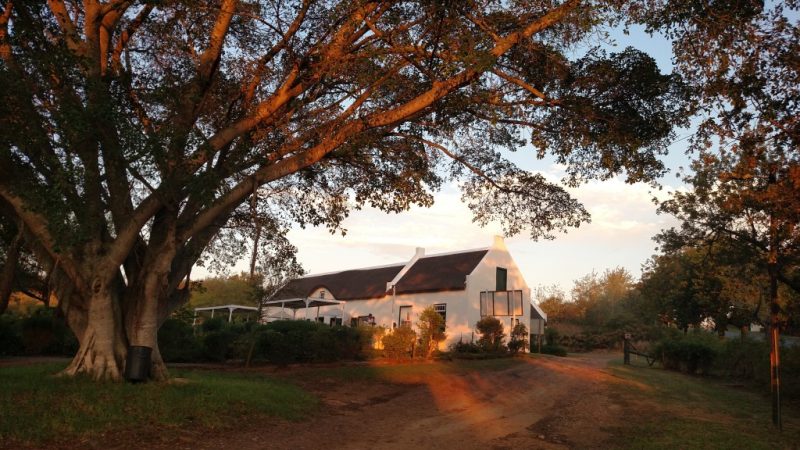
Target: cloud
column 623, row 223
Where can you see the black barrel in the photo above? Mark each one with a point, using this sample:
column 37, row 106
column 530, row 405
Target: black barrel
column 137, row 366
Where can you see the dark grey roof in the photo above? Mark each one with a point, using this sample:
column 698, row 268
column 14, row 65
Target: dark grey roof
column 428, row 274
column 440, row 273
column 347, row 285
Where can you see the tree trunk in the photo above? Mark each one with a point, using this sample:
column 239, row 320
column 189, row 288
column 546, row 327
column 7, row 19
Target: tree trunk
column 8, row 270
column 103, row 347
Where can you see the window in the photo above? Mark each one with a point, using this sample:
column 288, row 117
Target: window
column 441, row 308
column 501, row 279
column 501, row 303
column 405, row 316
column 369, row 319
column 516, row 302
column 322, row 293
column 487, row 304
column 336, row 321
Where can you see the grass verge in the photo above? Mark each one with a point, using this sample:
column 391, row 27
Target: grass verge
column 36, row 407
column 697, row 413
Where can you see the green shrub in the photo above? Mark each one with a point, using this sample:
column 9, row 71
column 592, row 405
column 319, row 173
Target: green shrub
column 519, row 338
column 43, row 333
column 491, row 334
column 399, row 343
column 177, row 343
column 213, row 324
column 431, row 326
column 555, row 350
column 551, row 336
column 692, row 353
column 218, row 345
column 465, row 347
column 284, row 342
column 10, row 335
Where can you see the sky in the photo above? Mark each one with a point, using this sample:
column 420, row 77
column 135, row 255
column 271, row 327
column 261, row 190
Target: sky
column 624, row 220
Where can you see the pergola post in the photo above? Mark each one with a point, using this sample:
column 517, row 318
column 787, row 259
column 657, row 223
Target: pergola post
column 306, row 302
column 230, row 314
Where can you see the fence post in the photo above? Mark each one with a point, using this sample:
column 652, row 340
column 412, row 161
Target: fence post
column 626, row 346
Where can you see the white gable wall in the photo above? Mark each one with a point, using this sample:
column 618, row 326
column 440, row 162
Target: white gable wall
column 483, row 278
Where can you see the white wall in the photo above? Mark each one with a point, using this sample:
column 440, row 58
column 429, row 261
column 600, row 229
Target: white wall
column 463, row 307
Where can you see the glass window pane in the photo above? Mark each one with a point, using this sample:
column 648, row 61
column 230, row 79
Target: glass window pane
column 501, row 279
column 484, row 304
column 501, row 303
column 517, row 296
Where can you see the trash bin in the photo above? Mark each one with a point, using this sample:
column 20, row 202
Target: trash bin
column 137, row 366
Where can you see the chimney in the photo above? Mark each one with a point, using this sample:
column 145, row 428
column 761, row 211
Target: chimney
column 420, row 252
column 499, row 242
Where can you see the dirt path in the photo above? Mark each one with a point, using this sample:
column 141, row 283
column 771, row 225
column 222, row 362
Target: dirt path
column 546, row 403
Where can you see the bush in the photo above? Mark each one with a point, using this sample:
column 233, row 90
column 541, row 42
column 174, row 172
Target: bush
column 519, row 338
column 431, row 331
column 284, row 342
column 691, row 353
column 492, row 336
column 177, row 343
column 465, row 347
column 10, row 336
column 399, row 343
column 555, row 350
column 217, row 345
column 551, row 336
column 213, row 324
column 43, row 333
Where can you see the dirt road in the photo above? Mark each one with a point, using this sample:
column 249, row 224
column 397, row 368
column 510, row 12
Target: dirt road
column 545, row 403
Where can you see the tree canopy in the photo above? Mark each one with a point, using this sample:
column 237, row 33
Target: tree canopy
column 133, row 132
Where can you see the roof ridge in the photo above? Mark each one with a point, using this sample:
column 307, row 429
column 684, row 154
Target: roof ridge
column 480, row 249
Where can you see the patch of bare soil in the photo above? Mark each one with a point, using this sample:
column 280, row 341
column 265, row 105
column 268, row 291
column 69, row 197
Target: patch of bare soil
column 543, row 403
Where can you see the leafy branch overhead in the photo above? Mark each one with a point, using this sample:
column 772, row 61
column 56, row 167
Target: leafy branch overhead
column 134, row 132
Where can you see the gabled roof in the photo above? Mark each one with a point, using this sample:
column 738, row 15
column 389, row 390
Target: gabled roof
column 347, row 285
column 446, row 272
column 440, row 273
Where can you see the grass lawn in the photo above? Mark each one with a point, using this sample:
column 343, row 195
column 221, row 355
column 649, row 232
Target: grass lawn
column 697, row 413
column 36, row 407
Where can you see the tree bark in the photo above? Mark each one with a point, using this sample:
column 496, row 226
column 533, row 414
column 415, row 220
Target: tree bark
column 9, row 268
column 103, row 347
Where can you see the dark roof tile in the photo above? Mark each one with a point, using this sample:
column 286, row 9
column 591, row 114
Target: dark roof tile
column 428, row 274
column 440, row 273
column 347, row 285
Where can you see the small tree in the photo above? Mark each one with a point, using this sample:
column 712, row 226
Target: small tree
column 519, row 338
column 491, row 331
column 399, row 343
column 431, row 326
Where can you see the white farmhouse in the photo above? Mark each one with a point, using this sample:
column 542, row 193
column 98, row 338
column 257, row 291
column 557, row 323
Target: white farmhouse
column 462, row 286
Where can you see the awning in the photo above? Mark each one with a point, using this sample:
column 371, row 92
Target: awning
column 302, row 303
column 537, row 313
column 298, row 303
column 229, row 308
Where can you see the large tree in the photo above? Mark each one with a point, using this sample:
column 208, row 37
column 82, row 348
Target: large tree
column 742, row 61
column 132, row 131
